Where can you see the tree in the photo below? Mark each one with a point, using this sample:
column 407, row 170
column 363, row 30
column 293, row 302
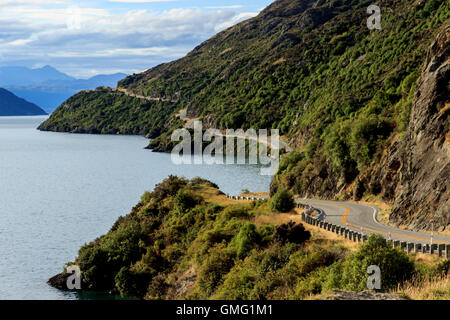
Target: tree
column 291, row 232
column 395, row 265
column 282, row 201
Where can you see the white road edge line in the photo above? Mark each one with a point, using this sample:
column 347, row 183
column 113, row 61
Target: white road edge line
column 375, row 212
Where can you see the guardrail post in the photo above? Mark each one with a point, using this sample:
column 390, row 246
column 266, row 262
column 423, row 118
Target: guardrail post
column 447, row 251
column 396, row 244
column 441, row 250
column 417, row 248
column 359, row 237
column 410, row 247
column 403, row 246
column 433, row 248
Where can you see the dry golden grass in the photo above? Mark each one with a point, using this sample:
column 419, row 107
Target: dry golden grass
column 445, row 108
column 427, row 259
column 429, row 289
column 225, row 51
column 255, row 194
column 279, row 61
column 212, row 195
column 276, row 219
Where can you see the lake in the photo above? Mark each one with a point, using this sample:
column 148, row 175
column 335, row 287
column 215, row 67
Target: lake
column 59, row 191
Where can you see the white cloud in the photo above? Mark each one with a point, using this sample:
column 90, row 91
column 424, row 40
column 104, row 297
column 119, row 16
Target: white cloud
column 78, row 40
column 141, row 1
column 237, row 6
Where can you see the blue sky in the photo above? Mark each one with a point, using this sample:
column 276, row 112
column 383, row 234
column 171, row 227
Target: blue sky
column 85, row 38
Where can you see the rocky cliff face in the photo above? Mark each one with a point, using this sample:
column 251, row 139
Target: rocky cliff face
column 423, row 157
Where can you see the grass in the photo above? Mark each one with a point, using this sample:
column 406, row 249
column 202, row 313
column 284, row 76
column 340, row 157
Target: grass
column 428, row 289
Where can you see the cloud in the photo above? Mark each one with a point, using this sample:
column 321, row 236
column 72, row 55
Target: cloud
column 83, row 40
column 237, row 6
column 141, row 1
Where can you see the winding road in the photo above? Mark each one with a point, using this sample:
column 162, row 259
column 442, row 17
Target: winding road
column 360, row 217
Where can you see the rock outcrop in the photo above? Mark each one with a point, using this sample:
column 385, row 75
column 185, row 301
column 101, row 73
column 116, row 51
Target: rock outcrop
column 416, row 171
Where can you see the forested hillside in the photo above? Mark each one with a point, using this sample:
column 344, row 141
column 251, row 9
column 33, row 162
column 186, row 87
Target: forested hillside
column 12, row 105
column 340, row 93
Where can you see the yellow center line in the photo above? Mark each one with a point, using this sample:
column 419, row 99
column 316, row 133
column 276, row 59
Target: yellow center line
column 347, row 212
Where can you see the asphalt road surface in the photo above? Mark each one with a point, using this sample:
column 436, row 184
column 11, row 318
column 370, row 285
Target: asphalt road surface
column 363, row 218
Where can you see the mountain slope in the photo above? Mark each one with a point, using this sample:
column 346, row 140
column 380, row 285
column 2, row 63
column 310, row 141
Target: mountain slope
column 340, row 93
column 420, row 162
column 11, row 105
column 24, row 76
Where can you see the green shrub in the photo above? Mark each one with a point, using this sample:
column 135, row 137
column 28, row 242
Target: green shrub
column 169, row 187
column 265, row 234
column 365, row 137
column 245, row 240
column 185, row 200
column 282, row 201
column 395, row 265
column 217, row 264
column 236, row 211
column 239, row 282
column 291, row 232
column 131, row 284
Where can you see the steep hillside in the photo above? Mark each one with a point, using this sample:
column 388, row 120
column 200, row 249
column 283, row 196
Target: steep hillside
column 187, row 240
column 11, row 105
column 339, row 92
column 422, row 194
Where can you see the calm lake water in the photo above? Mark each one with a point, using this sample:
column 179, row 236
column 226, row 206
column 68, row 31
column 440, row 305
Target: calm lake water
column 59, row 191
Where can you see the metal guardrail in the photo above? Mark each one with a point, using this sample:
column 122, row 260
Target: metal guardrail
column 442, row 250
column 245, row 198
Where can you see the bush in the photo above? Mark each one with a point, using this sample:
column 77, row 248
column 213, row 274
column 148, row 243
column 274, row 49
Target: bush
column 200, row 181
column 130, row 283
column 184, row 201
column 282, row 201
column 245, row 240
column 217, row 264
column 395, row 265
column 168, row 187
column 101, row 260
column 236, row 211
column 291, row 232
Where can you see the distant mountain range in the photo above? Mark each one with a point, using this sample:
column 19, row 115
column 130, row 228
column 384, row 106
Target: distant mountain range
column 48, row 87
column 11, row 105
